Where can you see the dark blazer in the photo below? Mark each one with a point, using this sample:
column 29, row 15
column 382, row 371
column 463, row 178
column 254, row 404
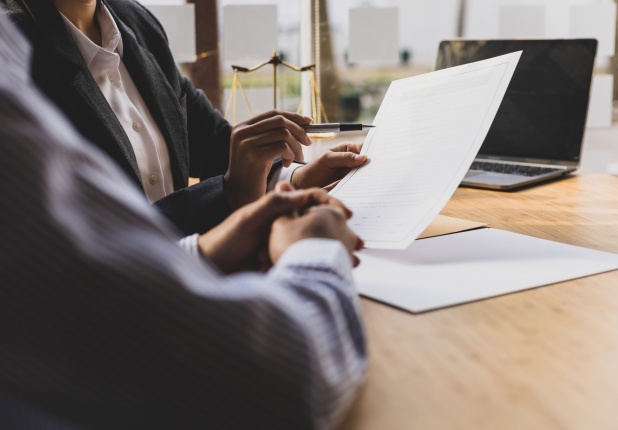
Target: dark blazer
column 197, row 135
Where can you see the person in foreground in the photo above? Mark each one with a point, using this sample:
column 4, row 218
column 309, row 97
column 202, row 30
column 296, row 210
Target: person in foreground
column 108, row 67
column 106, row 322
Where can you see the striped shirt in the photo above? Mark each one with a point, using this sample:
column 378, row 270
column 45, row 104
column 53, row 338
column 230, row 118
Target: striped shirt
column 106, row 323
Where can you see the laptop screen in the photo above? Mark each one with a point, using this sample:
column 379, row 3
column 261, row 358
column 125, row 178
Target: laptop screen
column 543, row 114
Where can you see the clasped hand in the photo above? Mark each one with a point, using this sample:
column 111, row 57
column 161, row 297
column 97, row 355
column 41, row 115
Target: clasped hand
column 255, row 236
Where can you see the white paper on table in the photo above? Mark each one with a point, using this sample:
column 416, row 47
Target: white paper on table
column 428, row 130
column 458, row 268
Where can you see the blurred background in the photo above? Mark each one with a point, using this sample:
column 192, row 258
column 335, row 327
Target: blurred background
column 360, row 46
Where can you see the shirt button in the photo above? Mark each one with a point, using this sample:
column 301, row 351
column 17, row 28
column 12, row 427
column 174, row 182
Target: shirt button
column 110, row 77
column 152, row 179
column 137, row 126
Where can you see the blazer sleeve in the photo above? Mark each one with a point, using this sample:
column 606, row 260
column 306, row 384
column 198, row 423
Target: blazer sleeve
column 198, row 208
column 209, row 134
column 201, row 207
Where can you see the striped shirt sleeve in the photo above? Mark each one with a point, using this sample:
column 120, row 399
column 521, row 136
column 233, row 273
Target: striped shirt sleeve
column 105, row 322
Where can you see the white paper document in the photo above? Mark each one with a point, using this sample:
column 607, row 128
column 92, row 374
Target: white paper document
column 428, row 130
column 458, row 268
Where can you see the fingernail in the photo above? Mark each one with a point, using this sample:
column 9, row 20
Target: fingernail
column 308, row 119
column 360, row 157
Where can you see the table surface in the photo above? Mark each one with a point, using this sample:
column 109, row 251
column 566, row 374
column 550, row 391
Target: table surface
column 545, row 358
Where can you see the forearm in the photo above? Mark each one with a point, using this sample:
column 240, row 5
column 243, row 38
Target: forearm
column 318, row 273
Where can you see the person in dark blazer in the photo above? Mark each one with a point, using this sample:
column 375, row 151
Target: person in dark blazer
column 151, row 120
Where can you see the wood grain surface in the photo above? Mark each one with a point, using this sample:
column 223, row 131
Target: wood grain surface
column 545, row 358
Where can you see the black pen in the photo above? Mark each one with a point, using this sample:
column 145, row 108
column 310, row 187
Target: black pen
column 335, row 126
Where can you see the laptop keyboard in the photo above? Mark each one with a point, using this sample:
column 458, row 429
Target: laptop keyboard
column 512, row 169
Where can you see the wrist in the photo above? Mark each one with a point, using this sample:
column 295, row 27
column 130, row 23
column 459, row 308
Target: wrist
column 229, row 192
column 296, row 177
column 242, row 189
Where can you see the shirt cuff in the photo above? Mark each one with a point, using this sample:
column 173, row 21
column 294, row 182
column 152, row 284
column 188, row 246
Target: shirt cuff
column 189, row 244
column 321, row 255
column 283, row 174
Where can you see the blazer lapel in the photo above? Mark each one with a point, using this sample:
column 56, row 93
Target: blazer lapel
column 80, row 91
column 93, row 100
column 161, row 99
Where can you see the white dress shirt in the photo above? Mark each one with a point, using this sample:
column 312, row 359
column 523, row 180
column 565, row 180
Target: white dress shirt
column 105, row 64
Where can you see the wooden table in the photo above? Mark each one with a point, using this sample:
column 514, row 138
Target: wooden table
column 545, row 358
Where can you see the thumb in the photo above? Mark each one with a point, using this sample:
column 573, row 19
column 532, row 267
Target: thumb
column 284, row 186
column 343, row 159
column 330, row 186
column 284, row 200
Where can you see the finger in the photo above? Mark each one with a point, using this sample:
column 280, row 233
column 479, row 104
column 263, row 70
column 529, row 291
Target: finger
column 355, row 244
column 275, row 204
column 267, row 148
column 348, row 147
column 304, row 199
column 336, row 214
column 338, row 203
column 336, row 160
column 285, row 120
column 360, row 244
column 278, row 203
column 263, row 259
column 284, row 186
column 274, row 138
column 330, row 186
column 317, row 197
column 297, row 200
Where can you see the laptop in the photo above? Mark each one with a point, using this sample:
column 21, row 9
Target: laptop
column 538, row 131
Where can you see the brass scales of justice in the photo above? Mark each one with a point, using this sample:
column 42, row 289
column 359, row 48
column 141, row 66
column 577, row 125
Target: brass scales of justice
column 317, row 107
